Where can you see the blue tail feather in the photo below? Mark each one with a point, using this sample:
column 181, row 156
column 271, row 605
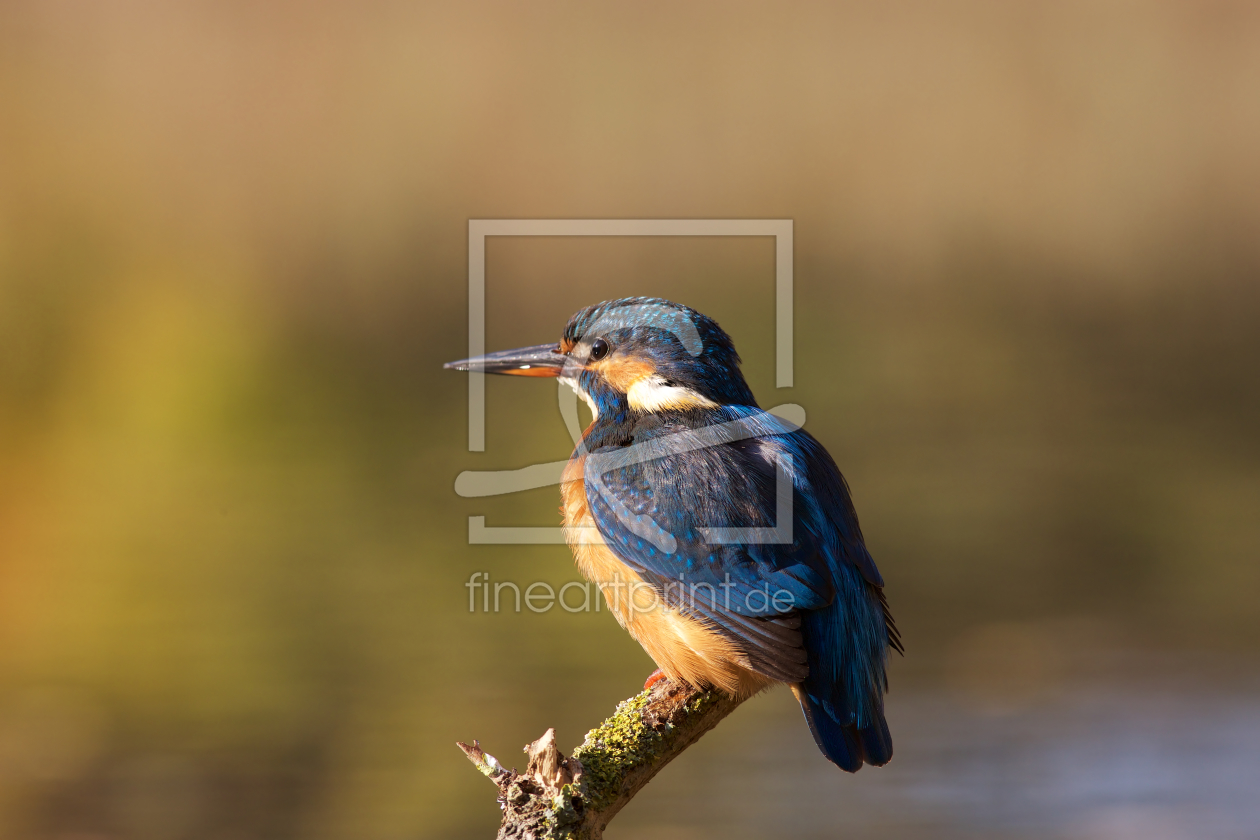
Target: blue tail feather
column 845, row 745
column 843, row 696
column 877, row 741
column 839, row 743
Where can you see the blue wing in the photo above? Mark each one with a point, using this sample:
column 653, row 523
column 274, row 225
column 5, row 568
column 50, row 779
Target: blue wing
column 744, row 524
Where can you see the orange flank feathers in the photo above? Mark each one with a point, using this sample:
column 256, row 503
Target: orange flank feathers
column 682, row 647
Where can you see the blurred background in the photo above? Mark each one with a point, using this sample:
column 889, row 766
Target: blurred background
column 233, row 259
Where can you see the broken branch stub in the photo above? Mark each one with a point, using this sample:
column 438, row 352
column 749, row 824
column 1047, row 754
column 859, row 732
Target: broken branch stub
column 559, row 798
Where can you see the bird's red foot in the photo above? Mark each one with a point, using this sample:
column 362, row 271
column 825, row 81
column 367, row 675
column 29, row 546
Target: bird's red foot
column 655, row 677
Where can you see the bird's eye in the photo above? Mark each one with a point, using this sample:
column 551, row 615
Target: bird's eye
column 599, row 349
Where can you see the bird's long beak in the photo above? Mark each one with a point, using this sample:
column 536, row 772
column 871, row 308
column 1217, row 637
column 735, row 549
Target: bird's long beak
column 542, row 360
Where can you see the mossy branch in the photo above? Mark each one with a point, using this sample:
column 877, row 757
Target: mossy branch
column 575, row 798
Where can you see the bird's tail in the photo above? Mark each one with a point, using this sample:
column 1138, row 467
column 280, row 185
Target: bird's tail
column 845, row 744
column 843, row 696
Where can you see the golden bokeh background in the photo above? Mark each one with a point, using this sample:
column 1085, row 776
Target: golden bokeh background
column 233, row 243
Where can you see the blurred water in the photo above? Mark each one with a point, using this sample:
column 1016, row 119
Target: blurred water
column 1107, row 763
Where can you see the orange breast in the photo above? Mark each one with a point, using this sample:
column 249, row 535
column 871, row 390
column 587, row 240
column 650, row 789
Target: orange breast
column 683, row 648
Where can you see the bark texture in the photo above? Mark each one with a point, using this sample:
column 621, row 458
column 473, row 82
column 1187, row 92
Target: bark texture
column 575, row 798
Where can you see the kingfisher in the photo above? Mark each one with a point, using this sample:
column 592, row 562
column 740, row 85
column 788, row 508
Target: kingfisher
column 722, row 537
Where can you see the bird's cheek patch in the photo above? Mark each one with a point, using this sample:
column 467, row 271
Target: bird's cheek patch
column 622, row 373
column 651, row 393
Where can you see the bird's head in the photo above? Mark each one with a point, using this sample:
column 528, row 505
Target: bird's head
column 638, row 354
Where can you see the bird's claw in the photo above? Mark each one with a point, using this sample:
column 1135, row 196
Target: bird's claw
column 655, row 677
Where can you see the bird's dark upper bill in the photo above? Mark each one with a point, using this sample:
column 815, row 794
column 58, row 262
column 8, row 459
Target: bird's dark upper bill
column 543, row 360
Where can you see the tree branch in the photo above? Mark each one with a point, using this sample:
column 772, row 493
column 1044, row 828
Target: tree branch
column 575, row 798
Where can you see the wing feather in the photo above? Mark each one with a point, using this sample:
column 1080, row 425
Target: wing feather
column 655, row 503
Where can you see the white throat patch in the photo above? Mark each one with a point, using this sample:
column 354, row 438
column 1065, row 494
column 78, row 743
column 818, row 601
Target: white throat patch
column 573, row 383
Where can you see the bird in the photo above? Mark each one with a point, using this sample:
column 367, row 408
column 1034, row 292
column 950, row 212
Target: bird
column 723, row 538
